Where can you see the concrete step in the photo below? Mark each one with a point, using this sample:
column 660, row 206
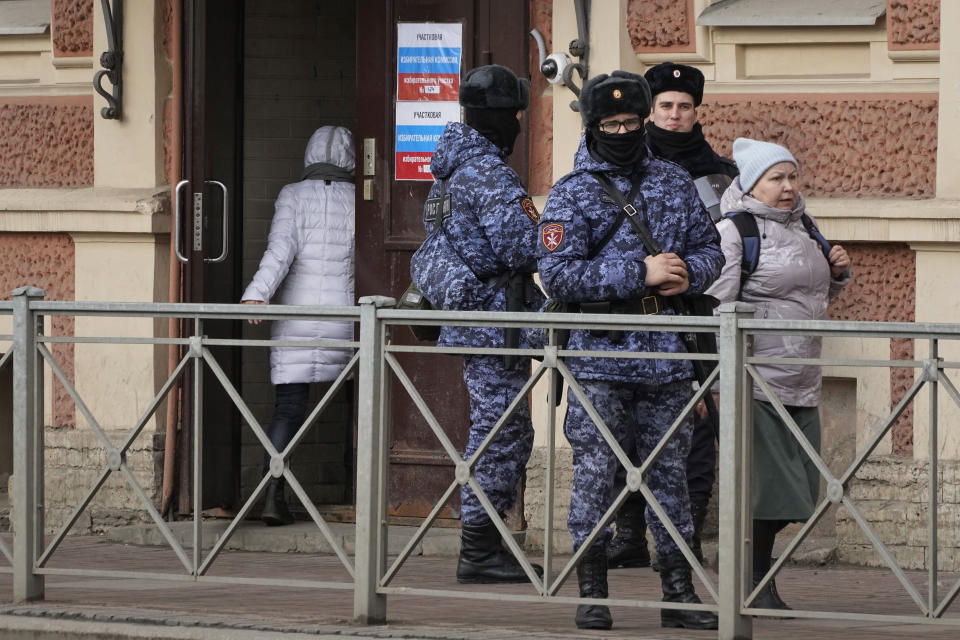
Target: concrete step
column 300, row 537
column 305, row 537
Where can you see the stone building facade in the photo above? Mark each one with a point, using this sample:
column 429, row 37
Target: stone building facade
column 871, row 110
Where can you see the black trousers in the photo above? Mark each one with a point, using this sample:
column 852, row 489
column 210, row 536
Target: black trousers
column 702, row 461
column 289, row 410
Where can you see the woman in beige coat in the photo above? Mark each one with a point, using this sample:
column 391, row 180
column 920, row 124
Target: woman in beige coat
column 795, row 276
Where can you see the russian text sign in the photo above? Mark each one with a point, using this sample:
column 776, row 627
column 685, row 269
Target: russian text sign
column 428, row 89
column 428, row 61
column 419, row 126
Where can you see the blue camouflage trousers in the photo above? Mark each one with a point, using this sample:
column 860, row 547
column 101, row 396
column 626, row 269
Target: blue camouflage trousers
column 638, row 416
column 492, row 387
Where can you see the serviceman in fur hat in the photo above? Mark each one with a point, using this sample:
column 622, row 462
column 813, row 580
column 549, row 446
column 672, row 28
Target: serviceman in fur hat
column 673, row 133
column 591, row 257
column 480, row 254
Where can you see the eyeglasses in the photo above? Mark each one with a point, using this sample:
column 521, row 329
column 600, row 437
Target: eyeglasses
column 613, row 126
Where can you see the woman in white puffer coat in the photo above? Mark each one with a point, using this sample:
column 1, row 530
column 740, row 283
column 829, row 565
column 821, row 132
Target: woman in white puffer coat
column 309, row 261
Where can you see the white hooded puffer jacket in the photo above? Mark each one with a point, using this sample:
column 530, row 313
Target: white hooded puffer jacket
column 310, row 261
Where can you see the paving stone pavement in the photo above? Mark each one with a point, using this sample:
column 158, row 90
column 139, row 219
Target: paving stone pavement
column 78, row 606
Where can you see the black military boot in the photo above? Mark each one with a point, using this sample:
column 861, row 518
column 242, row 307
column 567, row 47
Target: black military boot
column 592, row 576
column 678, row 587
column 275, row 511
column 768, row 598
column 698, row 513
column 484, row 560
column 629, row 545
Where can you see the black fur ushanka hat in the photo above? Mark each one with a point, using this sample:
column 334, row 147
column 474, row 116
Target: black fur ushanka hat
column 494, row 87
column 668, row 76
column 620, row 92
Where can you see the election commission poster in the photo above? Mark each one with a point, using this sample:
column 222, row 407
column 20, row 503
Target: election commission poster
column 428, row 87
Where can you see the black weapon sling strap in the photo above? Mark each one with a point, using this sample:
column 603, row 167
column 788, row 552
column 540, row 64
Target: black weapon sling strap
column 628, row 211
column 618, row 200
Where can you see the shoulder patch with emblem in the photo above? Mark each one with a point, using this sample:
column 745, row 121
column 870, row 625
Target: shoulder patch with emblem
column 552, row 235
column 531, row 210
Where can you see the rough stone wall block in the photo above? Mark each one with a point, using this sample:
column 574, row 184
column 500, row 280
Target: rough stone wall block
column 847, row 146
column 72, row 28
column 659, row 25
column 900, row 517
column 913, row 24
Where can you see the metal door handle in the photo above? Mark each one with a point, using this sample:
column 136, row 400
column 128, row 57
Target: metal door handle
column 224, row 245
column 176, row 221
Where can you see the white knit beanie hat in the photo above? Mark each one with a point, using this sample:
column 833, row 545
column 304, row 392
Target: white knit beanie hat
column 754, row 157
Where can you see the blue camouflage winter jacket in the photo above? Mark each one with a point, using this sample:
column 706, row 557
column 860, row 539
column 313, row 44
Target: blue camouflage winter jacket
column 578, row 215
column 492, row 229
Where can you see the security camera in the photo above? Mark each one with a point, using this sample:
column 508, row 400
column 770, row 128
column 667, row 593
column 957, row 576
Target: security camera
column 553, row 67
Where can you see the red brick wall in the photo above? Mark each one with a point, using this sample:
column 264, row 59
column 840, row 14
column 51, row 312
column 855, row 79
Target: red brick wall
column 166, row 43
column 661, row 25
column 884, row 290
column 540, row 113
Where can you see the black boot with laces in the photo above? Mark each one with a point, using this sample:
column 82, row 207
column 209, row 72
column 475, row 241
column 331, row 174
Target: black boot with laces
column 592, row 577
column 629, row 545
column 484, row 560
column 678, row 587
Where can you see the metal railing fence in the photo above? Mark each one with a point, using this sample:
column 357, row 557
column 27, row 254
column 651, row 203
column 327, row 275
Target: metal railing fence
column 551, row 364
column 376, row 362
column 6, row 363
column 31, row 552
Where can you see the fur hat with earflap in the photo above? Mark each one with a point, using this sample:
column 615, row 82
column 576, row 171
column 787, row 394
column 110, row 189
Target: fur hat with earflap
column 494, row 87
column 620, row 92
column 491, row 96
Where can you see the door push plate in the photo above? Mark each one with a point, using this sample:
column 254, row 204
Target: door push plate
column 369, row 156
column 198, row 222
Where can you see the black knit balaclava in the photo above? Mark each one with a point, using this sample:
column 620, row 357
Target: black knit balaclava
column 499, row 126
column 619, row 149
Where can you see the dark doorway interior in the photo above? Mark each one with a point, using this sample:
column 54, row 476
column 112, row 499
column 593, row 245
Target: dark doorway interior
column 298, row 74
column 261, row 76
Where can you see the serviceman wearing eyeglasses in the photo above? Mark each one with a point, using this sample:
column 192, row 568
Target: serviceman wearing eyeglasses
column 592, row 258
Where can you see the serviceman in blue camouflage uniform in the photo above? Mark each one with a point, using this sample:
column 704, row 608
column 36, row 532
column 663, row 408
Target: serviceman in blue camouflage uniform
column 673, row 133
column 591, row 258
column 482, row 258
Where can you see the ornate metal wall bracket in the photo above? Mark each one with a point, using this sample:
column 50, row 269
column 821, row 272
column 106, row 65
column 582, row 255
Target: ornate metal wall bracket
column 579, row 48
column 558, row 68
column 112, row 61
